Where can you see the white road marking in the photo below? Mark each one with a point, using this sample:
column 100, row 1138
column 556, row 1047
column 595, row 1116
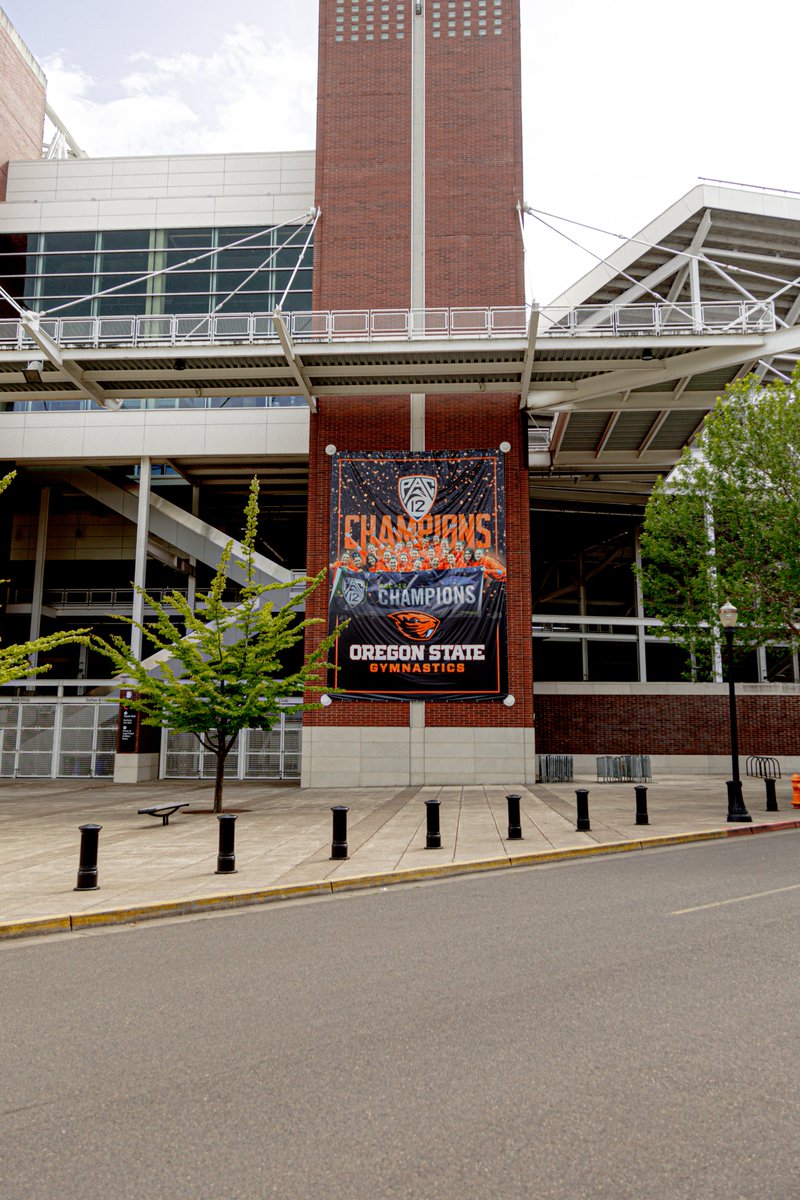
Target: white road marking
column 679, row 912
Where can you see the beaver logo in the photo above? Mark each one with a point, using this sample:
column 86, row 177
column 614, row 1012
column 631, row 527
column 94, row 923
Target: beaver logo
column 416, row 626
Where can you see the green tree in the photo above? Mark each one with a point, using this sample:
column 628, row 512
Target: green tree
column 727, row 524
column 222, row 670
column 15, row 661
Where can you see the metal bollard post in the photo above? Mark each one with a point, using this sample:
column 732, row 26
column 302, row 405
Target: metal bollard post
column 226, row 858
column 87, row 864
column 339, row 842
column 641, row 805
column 772, row 802
column 514, row 826
column 433, row 836
column 583, row 825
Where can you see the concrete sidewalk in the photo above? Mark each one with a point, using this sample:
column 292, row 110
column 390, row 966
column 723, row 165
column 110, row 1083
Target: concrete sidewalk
column 283, row 836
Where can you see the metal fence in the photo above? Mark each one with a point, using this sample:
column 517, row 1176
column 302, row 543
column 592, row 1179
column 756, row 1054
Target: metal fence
column 554, row 768
column 57, row 739
column 624, row 768
column 76, row 739
column 256, row 754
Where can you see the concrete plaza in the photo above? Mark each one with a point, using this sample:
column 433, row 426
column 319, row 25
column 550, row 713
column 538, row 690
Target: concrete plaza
column 283, row 839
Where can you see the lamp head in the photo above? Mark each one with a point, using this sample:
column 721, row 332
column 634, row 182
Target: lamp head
column 728, row 615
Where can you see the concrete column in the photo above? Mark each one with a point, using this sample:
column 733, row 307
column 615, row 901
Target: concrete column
column 140, row 565
column 641, row 645
column 38, row 573
column 41, row 559
column 192, row 585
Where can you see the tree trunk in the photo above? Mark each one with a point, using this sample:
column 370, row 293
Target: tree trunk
column 219, row 778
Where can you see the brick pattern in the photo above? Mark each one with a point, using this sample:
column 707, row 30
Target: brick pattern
column 473, row 257
column 682, row 724
column 21, row 109
column 473, row 136
column 362, row 253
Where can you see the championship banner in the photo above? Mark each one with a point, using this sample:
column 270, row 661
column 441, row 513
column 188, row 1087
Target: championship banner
column 418, row 567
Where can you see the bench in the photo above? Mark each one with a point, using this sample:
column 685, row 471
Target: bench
column 164, row 811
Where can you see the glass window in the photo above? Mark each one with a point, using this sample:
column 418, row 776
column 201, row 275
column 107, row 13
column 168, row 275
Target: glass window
column 124, row 256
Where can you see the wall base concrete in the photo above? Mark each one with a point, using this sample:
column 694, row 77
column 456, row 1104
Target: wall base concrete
column 585, row 765
column 363, row 756
column 135, row 768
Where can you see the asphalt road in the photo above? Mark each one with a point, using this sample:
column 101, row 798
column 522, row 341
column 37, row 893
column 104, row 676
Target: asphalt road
column 563, row 1032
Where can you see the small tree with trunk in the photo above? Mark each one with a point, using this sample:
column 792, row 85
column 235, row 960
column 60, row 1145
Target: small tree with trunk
column 221, row 669
column 15, row 661
column 727, row 525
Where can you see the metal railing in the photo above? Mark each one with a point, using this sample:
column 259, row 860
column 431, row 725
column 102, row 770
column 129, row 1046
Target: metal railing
column 375, row 325
column 116, row 598
column 612, row 320
column 380, row 325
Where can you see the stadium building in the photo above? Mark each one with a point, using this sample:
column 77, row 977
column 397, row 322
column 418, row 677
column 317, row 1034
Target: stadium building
column 350, row 325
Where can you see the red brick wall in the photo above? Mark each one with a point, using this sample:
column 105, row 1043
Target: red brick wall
column 678, row 724
column 473, row 136
column 362, row 251
column 21, row 108
column 473, row 257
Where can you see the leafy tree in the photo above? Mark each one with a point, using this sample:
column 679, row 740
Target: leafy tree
column 224, row 674
column 727, row 524
column 15, row 661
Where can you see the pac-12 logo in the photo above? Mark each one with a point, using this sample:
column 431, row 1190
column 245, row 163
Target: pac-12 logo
column 417, row 494
column 354, row 590
column 416, row 626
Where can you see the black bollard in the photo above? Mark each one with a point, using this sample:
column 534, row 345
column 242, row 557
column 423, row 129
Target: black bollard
column 433, row 837
column 226, row 858
column 514, row 826
column 641, row 805
column 583, row 825
column 772, row 802
column 87, row 865
column 339, row 843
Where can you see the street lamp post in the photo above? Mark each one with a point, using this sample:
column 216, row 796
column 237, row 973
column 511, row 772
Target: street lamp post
column 729, row 615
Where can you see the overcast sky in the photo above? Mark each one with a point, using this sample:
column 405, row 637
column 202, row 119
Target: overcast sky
column 626, row 102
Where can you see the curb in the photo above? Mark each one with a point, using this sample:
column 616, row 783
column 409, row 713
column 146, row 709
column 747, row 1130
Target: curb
column 70, row 923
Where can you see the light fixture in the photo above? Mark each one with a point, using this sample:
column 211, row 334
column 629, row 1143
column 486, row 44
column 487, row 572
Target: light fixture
column 505, row 447
column 728, row 615
column 180, row 364
column 510, row 701
column 32, row 373
column 647, row 355
column 330, row 449
column 325, row 701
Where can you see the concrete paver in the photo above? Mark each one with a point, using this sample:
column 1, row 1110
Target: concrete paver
column 283, row 836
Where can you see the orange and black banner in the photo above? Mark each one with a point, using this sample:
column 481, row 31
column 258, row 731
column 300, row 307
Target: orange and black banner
column 418, row 567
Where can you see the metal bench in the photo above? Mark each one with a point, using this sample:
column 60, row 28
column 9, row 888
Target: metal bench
column 164, row 811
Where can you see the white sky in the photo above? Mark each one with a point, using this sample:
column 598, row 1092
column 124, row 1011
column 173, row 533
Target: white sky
column 625, row 102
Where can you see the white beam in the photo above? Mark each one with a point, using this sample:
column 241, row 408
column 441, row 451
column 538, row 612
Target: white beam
column 293, row 359
column 530, row 354
column 91, row 391
column 728, row 351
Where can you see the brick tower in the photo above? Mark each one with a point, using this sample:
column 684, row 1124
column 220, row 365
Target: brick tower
column 419, row 171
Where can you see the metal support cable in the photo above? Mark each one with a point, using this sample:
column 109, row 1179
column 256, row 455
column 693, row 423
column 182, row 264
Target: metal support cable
column 702, row 257
column 604, row 262
column 317, row 215
column 176, row 267
column 273, row 254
